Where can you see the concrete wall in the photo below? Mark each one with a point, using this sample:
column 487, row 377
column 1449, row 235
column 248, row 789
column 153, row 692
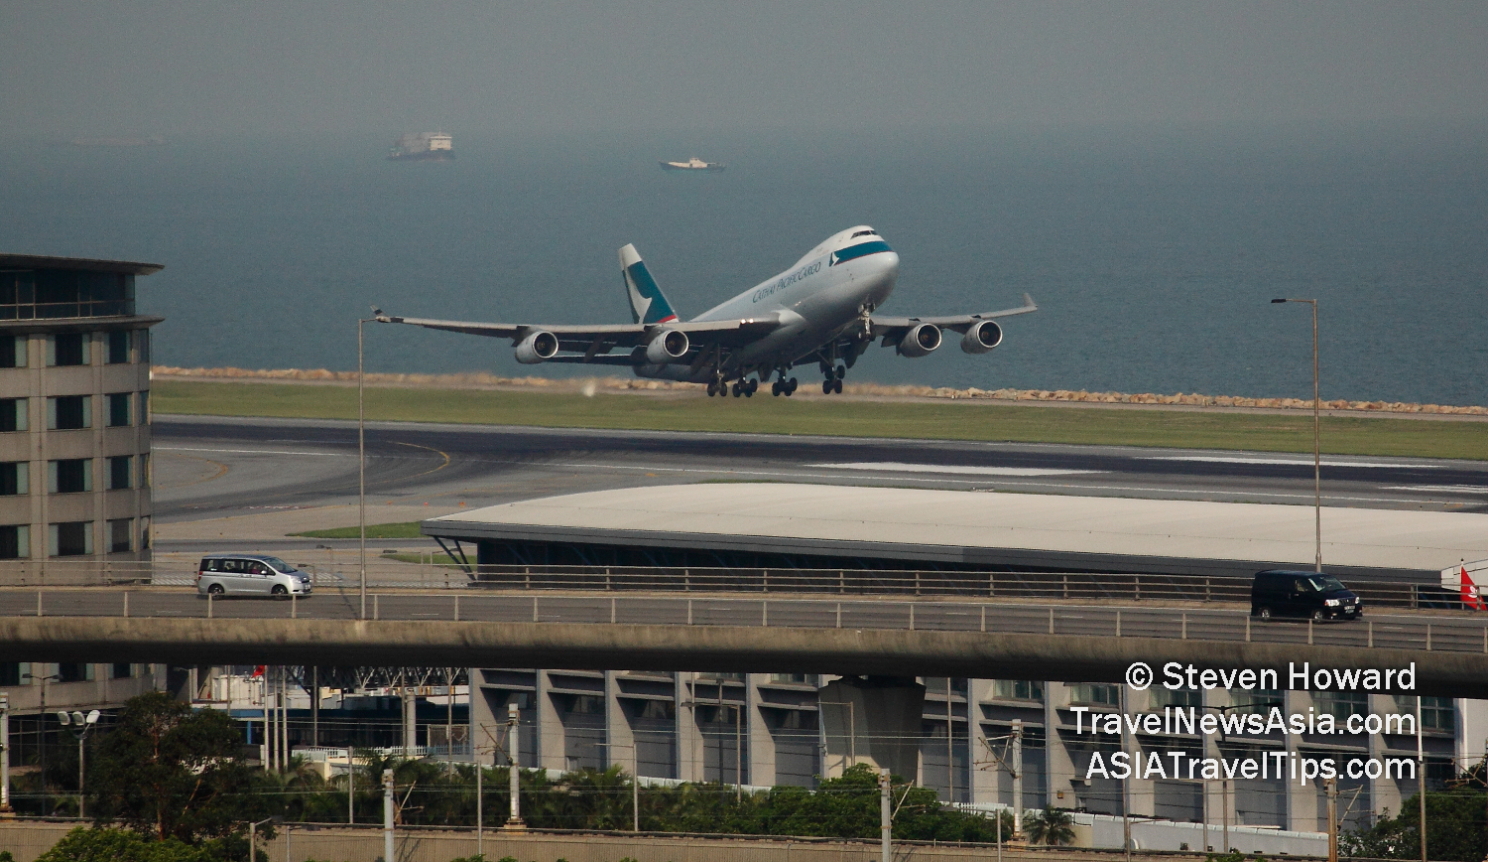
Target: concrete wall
column 28, row 839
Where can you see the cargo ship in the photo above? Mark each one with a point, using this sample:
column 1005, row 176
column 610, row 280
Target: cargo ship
column 423, row 146
column 692, row 164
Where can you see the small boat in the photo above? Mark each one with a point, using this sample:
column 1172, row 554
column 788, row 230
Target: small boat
column 692, row 164
column 423, row 146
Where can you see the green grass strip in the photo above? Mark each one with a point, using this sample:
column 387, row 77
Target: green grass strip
column 962, row 420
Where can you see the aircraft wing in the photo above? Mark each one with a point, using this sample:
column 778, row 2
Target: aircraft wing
column 896, row 327
column 595, row 340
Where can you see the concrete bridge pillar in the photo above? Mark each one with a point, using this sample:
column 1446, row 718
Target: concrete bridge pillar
column 873, row 720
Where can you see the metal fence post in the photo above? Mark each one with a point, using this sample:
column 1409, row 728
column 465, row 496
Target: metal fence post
column 457, row 608
column 765, row 613
column 689, row 611
column 911, row 616
column 839, row 625
column 38, row 603
column 1428, row 637
column 209, row 606
column 1118, row 623
column 126, row 604
column 1051, row 620
column 984, row 620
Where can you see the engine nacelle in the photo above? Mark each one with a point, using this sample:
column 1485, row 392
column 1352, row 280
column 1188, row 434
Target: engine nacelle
column 537, row 347
column 669, row 346
column 920, row 341
column 981, row 337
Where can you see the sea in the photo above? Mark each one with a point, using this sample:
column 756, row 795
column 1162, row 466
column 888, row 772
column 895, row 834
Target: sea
column 1153, row 254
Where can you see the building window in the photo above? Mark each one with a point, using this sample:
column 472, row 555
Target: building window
column 58, row 293
column 121, row 535
column 73, row 539
column 1182, row 698
column 1341, row 704
column 1018, row 689
column 793, row 678
column 74, row 672
column 15, row 478
column 10, row 673
column 118, row 346
column 1438, row 713
column 144, row 407
column 119, row 478
column 70, row 412
column 13, row 414
column 70, row 348
column 121, row 670
column 118, row 409
column 72, row 476
column 1096, row 693
column 144, row 470
column 12, row 351
column 144, row 534
column 15, row 542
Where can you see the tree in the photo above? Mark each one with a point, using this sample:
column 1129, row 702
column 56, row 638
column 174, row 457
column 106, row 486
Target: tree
column 120, row 845
column 1052, row 826
column 1455, row 829
column 168, row 771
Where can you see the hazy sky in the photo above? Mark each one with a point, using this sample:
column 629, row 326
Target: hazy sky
column 138, row 68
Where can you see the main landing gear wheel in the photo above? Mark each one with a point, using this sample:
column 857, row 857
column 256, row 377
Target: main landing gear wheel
column 712, row 389
column 750, row 387
column 738, row 388
column 790, row 387
column 837, row 386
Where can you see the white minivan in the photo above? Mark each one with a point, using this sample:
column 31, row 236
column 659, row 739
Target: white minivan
column 250, row 575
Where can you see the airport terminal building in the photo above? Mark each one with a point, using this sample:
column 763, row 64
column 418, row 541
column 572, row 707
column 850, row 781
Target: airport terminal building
column 74, row 413
column 764, row 729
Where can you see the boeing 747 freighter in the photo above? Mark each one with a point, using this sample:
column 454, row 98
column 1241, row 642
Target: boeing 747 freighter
column 820, row 310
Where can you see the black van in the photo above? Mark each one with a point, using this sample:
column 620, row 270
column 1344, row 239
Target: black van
column 1282, row 593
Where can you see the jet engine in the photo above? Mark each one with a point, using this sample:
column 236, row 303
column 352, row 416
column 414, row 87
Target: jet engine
column 669, row 346
column 537, row 347
column 981, row 337
column 920, row 341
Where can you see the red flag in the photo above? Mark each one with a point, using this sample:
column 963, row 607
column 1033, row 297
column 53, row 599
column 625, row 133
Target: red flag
column 1471, row 596
column 260, row 670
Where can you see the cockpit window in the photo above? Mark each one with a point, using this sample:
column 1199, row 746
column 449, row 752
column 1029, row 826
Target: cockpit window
column 864, row 233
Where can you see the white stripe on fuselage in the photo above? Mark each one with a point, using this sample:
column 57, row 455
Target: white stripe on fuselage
column 815, row 300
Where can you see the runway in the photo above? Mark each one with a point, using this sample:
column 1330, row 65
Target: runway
column 210, row 467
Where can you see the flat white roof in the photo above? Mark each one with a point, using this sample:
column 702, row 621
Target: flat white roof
column 1020, row 529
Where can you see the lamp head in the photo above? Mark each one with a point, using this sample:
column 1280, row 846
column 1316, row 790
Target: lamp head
column 63, row 717
column 93, row 716
column 1274, row 301
column 77, row 718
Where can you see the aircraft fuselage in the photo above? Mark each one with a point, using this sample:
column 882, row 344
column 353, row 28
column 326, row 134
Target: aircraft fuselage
column 817, row 301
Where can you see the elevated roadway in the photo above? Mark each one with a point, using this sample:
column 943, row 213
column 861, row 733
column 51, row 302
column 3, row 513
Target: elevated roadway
column 960, row 638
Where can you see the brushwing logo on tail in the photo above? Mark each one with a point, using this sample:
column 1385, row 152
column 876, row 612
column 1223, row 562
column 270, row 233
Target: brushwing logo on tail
column 647, row 303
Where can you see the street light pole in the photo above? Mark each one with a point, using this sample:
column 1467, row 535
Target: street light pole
column 1317, row 452
column 361, row 470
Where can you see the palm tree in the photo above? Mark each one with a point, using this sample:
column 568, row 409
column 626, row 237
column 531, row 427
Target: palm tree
column 1052, row 826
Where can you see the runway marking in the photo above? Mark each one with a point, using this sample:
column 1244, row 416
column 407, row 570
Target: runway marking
column 443, row 455
column 1287, row 462
column 901, row 467
column 1445, row 489
column 222, row 470
column 255, row 451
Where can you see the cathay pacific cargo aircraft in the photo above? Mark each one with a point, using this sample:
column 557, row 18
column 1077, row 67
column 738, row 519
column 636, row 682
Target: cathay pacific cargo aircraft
column 820, row 310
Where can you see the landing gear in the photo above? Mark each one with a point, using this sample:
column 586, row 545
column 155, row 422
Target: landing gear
column 740, row 388
column 784, row 387
column 834, row 376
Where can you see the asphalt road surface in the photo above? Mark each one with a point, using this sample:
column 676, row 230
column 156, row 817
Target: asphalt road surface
column 211, row 467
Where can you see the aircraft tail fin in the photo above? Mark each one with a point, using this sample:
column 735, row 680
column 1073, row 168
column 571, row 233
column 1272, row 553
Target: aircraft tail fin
column 647, row 303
